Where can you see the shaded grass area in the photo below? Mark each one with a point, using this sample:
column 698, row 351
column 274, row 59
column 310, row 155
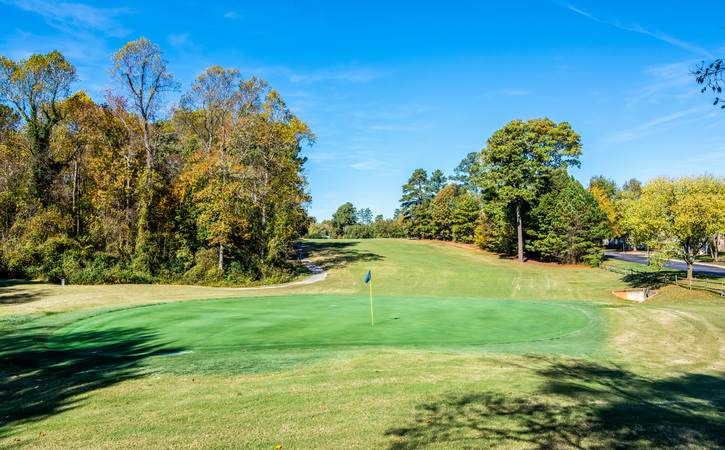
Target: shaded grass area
column 37, row 383
column 599, row 406
column 400, row 399
column 338, row 253
column 13, row 292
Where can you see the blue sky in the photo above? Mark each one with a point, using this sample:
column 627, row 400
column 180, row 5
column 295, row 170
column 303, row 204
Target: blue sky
column 389, row 87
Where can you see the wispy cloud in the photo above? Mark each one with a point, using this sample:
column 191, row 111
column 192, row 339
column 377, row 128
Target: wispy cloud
column 350, row 75
column 666, row 84
column 654, row 124
column 178, row 40
column 232, row 15
column 636, row 28
column 515, row 92
column 366, row 165
column 397, row 128
column 76, row 18
column 505, row 92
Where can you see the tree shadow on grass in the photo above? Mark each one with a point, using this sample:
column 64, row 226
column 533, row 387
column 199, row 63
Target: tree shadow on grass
column 337, row 254
column 37, row 382
column 656, row 280
column 578, row 405
column 13, row 293
column 645, row 281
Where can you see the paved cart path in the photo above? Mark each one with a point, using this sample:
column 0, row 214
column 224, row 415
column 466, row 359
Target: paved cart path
column 641, row 258
column 317, row 275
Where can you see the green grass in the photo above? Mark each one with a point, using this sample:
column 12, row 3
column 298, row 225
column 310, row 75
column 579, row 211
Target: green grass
column 324, row 321
column 92, row 367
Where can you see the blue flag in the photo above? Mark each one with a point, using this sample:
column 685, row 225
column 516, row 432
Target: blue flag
column 368, row 277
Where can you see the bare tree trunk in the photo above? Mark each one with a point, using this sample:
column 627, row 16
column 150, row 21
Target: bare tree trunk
column 76, row 216
column 221, row 256
column 713, row 248
column 520, row 230
column 150, row 155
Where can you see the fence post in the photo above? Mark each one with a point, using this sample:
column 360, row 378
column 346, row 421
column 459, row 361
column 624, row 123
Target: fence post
column 676, row 284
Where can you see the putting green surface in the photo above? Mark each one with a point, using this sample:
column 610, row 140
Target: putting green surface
column 327, row 321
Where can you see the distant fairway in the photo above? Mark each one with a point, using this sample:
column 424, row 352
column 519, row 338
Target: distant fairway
column 317, row 321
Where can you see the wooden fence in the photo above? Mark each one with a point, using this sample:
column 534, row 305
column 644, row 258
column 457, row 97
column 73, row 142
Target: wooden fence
column 691, row 283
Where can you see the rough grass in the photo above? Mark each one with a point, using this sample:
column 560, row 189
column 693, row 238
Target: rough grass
column 656, row 382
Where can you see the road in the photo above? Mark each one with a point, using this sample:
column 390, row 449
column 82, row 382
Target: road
column 641, row 258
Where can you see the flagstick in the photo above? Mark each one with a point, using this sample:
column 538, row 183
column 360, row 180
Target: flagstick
column 372, row 319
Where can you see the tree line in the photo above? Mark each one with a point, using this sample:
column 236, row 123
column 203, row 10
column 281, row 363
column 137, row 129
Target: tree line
column 139, row 189
column 515, row 197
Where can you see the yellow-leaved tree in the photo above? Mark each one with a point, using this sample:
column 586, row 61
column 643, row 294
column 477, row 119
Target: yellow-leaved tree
column 678, row 215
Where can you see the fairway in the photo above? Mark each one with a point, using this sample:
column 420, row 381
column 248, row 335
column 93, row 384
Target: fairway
column 316, row 321
column 468, row 350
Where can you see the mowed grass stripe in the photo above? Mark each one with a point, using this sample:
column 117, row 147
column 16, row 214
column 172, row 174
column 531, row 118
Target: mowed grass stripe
column 434, row 269
column 317, row 321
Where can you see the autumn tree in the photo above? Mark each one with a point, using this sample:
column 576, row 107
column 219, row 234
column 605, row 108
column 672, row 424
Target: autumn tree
column 217, row 194
column 142, row 75
column 77, row 136
column 13, row 165
column 209, row 108
column 678, row 215
column 210, row 111
column 117, row 164
column 605, row 191
column 271, row 137
column 519, row 159
column 34, row 87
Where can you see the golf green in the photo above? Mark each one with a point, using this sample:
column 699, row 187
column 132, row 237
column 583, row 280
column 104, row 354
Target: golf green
column 316, row 321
